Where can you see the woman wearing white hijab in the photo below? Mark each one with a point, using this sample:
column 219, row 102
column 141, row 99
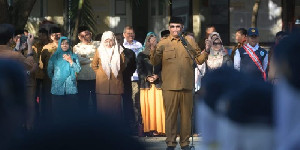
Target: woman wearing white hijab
column 108, row 64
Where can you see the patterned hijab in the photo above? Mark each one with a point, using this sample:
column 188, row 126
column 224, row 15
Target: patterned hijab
column 110, row 57
column 145, row 49
column 57, row 58
column 215, row 57
column 213, row 37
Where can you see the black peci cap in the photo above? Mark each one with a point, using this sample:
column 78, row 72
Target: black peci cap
column 83, row 28
column 164, row 33
column 18, row 31
column 176, row 20
column 54, row 30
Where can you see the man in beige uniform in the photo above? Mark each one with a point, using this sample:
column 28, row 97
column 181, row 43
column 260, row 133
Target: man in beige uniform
column 178, row 81
column 46, row 53
column 30, row 66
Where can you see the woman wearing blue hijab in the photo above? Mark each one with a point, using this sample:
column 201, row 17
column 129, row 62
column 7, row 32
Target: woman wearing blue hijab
column 62, row 68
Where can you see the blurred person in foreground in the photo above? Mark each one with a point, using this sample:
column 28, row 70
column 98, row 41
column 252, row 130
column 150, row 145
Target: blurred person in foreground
column 79, row 133
column 177, row 81
column 24, row 53
column 287, row 93
column 6, row 52
column 214, row 85
column 12, row 99
column 247, row 118
column 244, row 114
column 24, row 45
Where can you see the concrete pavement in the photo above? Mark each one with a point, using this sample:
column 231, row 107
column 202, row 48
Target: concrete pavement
column 158, row 143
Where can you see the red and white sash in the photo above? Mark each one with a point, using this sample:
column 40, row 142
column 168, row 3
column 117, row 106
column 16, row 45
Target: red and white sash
column 255, row 59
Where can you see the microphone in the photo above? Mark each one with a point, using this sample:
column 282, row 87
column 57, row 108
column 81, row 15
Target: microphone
column 182, row 39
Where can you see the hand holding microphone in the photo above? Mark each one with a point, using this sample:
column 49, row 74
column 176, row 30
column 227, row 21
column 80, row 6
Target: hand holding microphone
column 182, row 39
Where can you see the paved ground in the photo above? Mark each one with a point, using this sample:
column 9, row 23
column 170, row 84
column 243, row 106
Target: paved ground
column 158, row 143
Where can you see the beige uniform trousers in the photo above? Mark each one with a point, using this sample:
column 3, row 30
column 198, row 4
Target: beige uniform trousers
column 174, row 101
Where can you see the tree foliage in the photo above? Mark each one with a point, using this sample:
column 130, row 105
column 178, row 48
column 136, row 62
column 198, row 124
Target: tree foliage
column 16, row 13
column 82, row 15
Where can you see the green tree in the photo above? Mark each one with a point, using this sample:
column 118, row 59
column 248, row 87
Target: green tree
column 16, row 13
column 82, row 15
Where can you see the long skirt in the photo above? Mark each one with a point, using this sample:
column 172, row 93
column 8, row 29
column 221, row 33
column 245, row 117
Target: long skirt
column 64, row 107
column 152, row 109
column 109, row 105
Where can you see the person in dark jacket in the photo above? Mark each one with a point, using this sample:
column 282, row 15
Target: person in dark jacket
column 152, row 108
column 130, row 63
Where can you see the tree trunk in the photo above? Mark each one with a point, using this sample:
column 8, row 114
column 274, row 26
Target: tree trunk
column 77, row 20
column 254, row 13
column 288, row 14
column 17, row 14
column 4, row 17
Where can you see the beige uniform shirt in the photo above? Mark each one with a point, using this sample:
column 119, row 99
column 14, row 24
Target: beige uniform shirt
column 177, row 66
column 47, row 51
column 28, row 62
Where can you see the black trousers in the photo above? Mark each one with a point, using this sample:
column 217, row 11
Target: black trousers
column 86, row 96
column 64, row 107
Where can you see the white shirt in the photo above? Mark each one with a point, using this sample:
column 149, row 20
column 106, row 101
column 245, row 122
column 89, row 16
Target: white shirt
column 237, row 58
column 287, row 114
column 199, row 75
column 135, row 46
column 86, row 54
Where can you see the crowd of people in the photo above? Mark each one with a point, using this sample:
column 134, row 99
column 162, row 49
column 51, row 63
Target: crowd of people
column 248, row 93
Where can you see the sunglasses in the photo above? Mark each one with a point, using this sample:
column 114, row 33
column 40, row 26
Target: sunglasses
column 172, row 26
column 217, row 43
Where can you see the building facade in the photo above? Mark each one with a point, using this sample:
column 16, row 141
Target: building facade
column 146, row 16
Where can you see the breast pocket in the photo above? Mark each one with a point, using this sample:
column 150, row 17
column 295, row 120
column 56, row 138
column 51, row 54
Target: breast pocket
column 169, row 54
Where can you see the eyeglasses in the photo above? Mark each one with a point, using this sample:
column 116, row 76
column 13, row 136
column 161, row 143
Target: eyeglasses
column 64, row 43
column 56, row 34
column 172, row 26
column 84, row 35
column 217, row 43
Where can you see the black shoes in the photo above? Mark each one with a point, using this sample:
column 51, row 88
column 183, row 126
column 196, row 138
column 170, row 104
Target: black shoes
column 186, row 147
column 183, row 148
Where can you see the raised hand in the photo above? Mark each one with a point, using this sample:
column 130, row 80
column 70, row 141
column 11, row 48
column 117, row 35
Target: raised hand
column 208, row 45
column 68, row 58
column 30, row 41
